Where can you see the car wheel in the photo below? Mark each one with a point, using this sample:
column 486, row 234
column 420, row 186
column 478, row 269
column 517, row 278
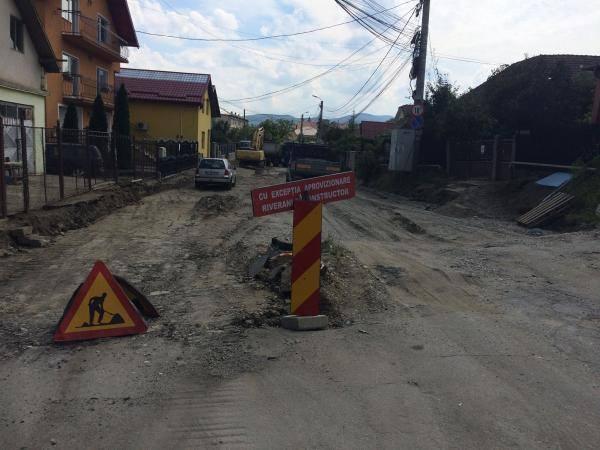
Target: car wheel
column 234, row 181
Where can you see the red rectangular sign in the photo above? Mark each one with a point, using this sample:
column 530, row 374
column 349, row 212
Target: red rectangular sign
column 280, row 198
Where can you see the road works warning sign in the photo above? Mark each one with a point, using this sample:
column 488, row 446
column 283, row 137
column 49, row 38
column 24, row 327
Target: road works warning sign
column 280, row 198
column 99, row 308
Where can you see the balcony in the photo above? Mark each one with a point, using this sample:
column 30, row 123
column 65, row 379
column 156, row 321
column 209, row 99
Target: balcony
column 83, row 90
column 93, row 36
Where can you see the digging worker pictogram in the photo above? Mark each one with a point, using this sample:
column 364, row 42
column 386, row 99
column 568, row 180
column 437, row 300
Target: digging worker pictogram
column 96, row 305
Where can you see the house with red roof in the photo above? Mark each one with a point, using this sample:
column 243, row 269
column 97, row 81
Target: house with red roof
column 372, row 130
column 171, row 105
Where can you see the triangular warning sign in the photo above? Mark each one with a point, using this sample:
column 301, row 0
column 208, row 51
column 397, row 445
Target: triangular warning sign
column 99, row 308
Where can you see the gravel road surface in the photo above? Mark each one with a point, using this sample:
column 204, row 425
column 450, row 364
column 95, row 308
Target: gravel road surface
column 456, row 333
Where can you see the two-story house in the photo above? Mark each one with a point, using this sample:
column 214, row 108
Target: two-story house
column 27, row 57
column 171, row 105
column 91, row 37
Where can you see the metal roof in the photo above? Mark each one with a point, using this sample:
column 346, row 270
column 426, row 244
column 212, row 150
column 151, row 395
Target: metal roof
column 165, row 76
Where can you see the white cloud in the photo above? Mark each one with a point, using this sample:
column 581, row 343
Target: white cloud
column 487, row 30
column 226, row 19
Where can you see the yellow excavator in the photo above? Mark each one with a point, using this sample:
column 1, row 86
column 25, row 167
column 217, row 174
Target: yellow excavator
column 251, row 153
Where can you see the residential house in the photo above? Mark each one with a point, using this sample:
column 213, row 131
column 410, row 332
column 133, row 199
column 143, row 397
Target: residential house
column 372, row 130
column 91, row 37
column 27, row 57
column 234, row 120
column 308, row 128
column 171, row 105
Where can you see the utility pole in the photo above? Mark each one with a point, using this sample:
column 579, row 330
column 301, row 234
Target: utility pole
column 302, row 129
column 320, row 121
column 419, row 94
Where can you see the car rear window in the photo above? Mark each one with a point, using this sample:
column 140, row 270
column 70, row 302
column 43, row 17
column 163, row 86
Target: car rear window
column 212, row 164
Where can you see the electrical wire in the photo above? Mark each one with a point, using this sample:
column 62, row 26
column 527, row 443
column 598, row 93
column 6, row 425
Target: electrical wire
column 274, row 36
column 377, row 68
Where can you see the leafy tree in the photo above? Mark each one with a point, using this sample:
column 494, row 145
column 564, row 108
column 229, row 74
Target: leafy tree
column 71, row 124
column 221, row 131
column 122, row 128
column 277, row 130
column 121, row 124
column 98, row 119
column 241, row 134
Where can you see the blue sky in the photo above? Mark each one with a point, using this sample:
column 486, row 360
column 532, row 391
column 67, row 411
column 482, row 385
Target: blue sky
column 489, row 31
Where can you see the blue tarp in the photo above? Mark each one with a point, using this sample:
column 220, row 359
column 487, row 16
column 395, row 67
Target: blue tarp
column 555, row 180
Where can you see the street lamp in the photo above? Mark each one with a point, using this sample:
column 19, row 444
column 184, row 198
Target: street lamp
column 320, row 117
column 302, row 127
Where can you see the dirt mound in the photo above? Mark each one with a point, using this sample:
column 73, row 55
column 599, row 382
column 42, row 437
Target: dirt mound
column 408, row 224
column 79, row 212
column 216, row 204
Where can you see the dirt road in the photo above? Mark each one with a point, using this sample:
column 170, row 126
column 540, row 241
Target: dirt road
column 458, row 333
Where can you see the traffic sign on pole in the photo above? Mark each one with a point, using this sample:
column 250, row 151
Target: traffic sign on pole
column 417, row 110
column 325, row 189
column 306, row 199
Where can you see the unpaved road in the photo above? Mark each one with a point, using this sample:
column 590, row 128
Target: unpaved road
column 459, row 333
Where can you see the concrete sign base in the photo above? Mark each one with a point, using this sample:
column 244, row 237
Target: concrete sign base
column 305, row 323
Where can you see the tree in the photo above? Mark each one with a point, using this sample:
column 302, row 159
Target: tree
column 71, row 124
column 121, row 125
column 277, row 130
column 98, row 119
column 220, row 132
column 122, row 128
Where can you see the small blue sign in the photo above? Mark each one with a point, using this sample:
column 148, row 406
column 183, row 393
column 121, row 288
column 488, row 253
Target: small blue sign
column 417, row 122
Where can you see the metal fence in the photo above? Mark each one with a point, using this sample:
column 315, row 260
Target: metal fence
column 40, row 166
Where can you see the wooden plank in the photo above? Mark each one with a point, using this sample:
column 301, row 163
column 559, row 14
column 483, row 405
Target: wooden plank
column 553, row 205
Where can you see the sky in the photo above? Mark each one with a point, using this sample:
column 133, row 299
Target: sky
column 489, row 32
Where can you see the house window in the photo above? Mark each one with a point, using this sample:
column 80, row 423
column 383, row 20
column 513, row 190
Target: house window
column 16, row 34
column 70, row 64
column 101, row 80
column 102, row 29
column 203, row 139
column 67, row 7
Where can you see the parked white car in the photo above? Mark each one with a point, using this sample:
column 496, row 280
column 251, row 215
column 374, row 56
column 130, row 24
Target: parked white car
column 215, row 171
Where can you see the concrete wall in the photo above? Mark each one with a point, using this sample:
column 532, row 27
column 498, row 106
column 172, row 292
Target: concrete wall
column 21, row 70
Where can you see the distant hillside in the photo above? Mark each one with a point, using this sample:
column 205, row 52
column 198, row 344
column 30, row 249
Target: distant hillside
column 364, row 117
column 255, row 119
column 258, row 118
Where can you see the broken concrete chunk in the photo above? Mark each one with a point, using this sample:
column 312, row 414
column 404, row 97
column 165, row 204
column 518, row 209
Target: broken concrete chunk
column 281, row 245
column 21, row 232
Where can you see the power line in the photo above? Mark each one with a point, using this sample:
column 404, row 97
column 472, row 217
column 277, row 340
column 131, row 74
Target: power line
column 303, row 83
column 376, row 69
column 263, row 38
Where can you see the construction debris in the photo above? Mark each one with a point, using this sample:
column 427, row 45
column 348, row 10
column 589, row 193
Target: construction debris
column 550, row 208
column 24, row 237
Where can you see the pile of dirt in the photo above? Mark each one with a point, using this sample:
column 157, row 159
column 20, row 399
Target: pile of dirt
column 408, row 224
column 216, row 204
column 82, row 211
column 348, row 291
column 497, row 200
